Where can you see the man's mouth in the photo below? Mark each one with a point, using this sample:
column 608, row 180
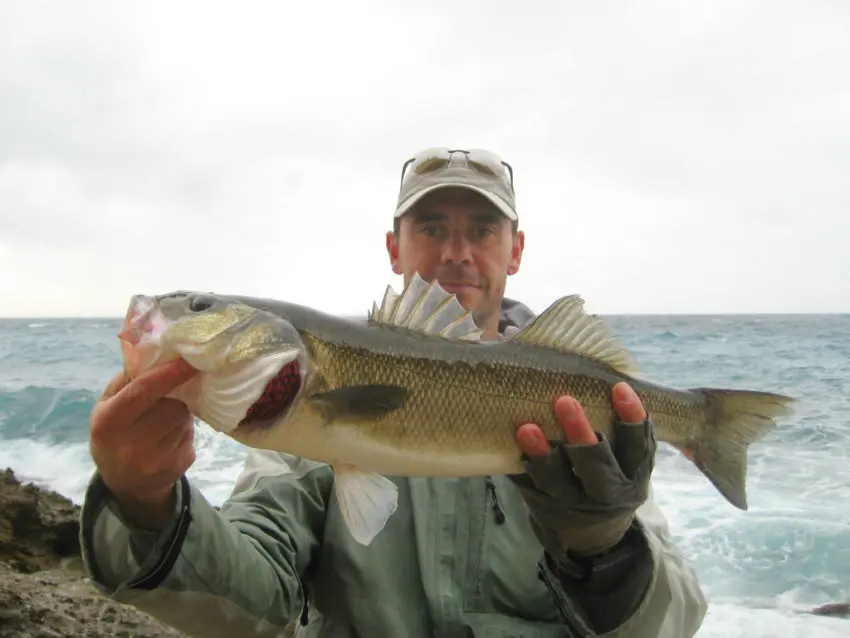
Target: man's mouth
column 455, row 287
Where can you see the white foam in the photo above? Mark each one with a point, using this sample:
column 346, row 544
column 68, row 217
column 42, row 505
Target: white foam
column 763, row 569
column 737, row 621
column 218, row 461
column 63, row 468
column 68, row 467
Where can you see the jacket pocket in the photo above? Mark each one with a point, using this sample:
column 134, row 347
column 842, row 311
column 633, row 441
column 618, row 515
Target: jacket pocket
column 503, row 552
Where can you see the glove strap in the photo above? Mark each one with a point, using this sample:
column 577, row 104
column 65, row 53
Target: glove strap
column 587, row 567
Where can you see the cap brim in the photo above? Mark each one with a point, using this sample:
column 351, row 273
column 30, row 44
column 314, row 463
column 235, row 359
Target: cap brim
column 497, row 201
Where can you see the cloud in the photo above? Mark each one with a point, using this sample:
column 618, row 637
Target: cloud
column 669, row 157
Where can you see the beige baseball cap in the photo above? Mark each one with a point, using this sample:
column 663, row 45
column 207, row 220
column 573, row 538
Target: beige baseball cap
column 478, row 170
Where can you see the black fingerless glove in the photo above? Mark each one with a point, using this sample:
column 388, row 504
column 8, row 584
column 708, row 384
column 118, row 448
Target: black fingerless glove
column 582, row 498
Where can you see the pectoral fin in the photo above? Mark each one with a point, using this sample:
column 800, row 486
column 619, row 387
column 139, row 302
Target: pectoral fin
column 361, row 401
column 366, row 501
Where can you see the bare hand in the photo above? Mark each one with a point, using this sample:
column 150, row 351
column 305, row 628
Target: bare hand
column 142, row 442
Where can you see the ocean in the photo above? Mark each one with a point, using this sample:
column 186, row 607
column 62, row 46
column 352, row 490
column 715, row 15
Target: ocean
column 760, row 569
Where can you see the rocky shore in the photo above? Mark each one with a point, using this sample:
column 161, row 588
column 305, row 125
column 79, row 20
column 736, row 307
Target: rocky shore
column 43, row 591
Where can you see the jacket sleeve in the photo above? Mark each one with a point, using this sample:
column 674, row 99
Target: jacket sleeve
column 645, row 588
column 235, row 571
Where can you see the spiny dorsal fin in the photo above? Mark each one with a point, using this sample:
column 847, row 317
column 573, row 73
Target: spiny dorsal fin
column 566, row 327
column 426, row 309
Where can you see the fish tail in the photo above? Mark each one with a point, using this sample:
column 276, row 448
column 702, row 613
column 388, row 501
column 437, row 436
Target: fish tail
column 735, row 420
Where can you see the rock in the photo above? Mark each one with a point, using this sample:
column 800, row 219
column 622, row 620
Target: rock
column 38, row 528
column 839, row 610
column 62, row 602
column 44, row 591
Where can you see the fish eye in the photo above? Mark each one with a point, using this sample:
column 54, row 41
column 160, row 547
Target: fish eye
column 199, row 304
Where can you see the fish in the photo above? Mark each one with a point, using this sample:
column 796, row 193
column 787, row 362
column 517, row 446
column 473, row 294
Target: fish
column 415, row 389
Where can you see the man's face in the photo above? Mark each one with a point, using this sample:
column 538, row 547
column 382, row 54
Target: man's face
column 458, row 238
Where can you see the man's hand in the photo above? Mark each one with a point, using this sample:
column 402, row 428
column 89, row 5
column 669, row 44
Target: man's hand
column 583, row 494
column 142, row 443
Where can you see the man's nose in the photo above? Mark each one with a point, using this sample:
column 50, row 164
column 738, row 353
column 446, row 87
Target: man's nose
column 457, row 249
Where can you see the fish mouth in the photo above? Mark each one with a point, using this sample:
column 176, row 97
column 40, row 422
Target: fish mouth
column 276, row 398
column 140, row 334
column 142, row 320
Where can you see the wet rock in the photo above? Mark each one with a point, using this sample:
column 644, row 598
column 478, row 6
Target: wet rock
column 62, row 602
column 838, row 610
column 38, row 528
column 44, row 592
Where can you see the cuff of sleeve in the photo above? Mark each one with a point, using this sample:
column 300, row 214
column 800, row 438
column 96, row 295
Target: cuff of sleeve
column 117, row 553
column 597, row 594
column 144, row 541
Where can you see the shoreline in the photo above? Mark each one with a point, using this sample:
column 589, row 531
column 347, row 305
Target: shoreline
column 44, row 590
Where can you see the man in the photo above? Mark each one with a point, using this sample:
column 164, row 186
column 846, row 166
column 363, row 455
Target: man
column 573, row 547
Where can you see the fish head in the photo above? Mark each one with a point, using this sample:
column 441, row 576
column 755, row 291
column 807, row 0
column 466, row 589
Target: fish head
column 252, row 363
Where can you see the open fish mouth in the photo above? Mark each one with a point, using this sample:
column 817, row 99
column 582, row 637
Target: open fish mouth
column 253, row 365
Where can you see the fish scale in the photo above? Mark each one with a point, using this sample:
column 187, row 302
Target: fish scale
column 460, row 407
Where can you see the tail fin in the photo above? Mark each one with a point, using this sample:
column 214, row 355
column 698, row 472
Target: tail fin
column 736, row 419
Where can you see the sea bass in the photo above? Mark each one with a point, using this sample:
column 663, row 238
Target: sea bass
column 415, row 391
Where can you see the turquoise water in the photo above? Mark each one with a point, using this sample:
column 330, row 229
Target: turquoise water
column 759, row 568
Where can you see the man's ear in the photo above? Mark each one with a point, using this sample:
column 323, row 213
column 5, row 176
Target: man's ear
column 392, row 252
column 516, row 252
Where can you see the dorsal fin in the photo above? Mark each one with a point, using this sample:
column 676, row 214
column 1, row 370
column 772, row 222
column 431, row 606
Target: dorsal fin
column 566, row 327
column 426, row 309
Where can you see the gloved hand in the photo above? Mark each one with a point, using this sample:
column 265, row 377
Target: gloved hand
column 583, row 494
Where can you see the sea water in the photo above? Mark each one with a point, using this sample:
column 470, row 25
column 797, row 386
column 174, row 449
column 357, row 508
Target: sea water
column 760, row 569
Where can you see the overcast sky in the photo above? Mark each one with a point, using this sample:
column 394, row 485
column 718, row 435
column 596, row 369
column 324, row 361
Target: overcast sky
column 669, row 156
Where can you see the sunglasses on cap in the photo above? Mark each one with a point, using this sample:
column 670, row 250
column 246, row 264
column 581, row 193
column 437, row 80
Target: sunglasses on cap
column 480, row 160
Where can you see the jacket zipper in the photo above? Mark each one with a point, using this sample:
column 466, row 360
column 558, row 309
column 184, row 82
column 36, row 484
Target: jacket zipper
column 498, row 512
